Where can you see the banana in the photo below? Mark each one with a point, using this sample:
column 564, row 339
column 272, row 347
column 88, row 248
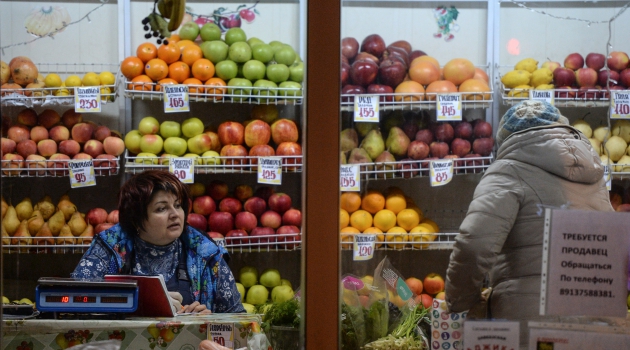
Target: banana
column 177, row 14
column 164, row 8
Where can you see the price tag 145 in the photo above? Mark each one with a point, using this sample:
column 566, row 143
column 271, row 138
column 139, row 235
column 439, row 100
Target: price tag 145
column 366, row 108
column 176, row 98
column 270, row 170
column 441, row 172
column 620, row 104
column 81, row 173
column 87, row 99
column 363, row 248
column 449, row 107
column 350, row 178
column 183, row 168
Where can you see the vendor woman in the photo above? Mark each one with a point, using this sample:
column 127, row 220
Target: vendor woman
column 153, row 238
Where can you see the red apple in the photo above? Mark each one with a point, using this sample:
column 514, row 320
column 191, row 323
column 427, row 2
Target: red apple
column 262, row 231
column 345, row 73
column 595, row 61
column 483, row 146
column 204, row 205
column 58, row 161
column 414, row 284
column 463, row 130
column 565, row 91
column 82, row 156
column 563, row 77
column 82, row 132
column 475, row 165
column 69, row 118
column 12, row 161
column 279, row 202
column 235, row 237
column 96, row 216
column 586, row 77
column 618, row 60
column 284, row 130
column 403, row 44
column 439, row 149
column 292, row 217
column 197, row 221
column 460, row 147
column 271, row 219
column 230, row 205
column 102, row 132
column 574, row 61
column 217, row 190
column 349, row 47
column 18, row 133
column 243, row 192
column 69, row 147
column 27, row 117
column 112, row 217
column 257, row 132
column 35, row 161
column 366, row 56
column 288, row 233
column 113, row 145
column 373, row 44
column 102, row 227
column 8, row 146
column 93, row 148
column 391, row 72
column 234, row 154
column 231, row 133
column 482, row 129
column 46, row 147
column 246, row 221
column 385, row 92
column 363, row 72
column 215, row 235
column 221, row 222
column 255, row 205
column 291, row 153
column 105, row 164
column 351, row 89
column 424, row 135
column 602, row 78
column 415, row 54
column 48, row 118
column 444, row 132
column 425, row 300
column 260, row 151
column 408, row 167
column 624, row 78
column 39, row 133
column 27, row 147
column 418, row 150
column 433, row 284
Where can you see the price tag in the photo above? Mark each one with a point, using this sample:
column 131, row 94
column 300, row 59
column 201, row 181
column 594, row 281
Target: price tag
column 607, row 177
column 620, row 104
column 220, row 242
column 449, row 107
column 350, row 178
column 366, row 108
column 81, row 173
column 183, row 168
column 87, row 99
column 542, row 95
column 176, row 98
column 363, row 248
column 441, row 172
column 571, row 336
column 270, row 170
column 491, row 334
column 222, row 334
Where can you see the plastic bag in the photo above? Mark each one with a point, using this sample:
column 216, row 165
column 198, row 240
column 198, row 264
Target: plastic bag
column 352, row 321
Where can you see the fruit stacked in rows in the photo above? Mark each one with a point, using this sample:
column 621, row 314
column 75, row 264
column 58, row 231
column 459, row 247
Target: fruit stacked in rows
column 243, row 214
column 48, row 140
column 612, row 145
column 375, row 68
column 394, row 218
column 258, row 289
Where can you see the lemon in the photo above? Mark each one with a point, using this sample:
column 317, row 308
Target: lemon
column 5, row 300
column 91, row 79
column 52, row 80
column 407, row 219
column 545, row 87
column 541, row 76
column 528, row 64
column 515, row 78
column 104, row 92
column 26, row 301
column 73, row 81
column 385, row 219
column 520, row 91
column 107, row 78
column 62, row 91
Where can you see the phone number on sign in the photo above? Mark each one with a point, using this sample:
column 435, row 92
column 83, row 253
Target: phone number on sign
column 586, row 292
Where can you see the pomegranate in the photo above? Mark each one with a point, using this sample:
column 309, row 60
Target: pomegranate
column 10, row 88
column 23, row 71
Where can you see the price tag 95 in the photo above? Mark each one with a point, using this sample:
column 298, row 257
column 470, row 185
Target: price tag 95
column 366, row 108
column 176, row 98
column 183, row 169
column 620, row 104
column 363, row 248
column 81, row 173
column 87, row 99
column 350, row 178
column 441, row 172
column 270, row 170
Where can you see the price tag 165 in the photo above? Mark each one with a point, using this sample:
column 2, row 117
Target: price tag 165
column 270, row 170
column 176, row 98
column 183, row 168
column 366, row 108
column 363, row 248
column 441, row 172
column 87, row 99
column 449, row 107
column 81, row 173
column 350, row 178
column 620, row 105
column 542, row 95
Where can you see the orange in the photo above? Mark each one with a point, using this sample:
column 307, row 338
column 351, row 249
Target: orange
column 384, row 219
column 424, row 72
column 169, row 53
column 417, row 210
column 481, row 74
column 350, row 201
column 439, row 87
column 396, row 235
column 178, row 71
column 347, row 236
column 425, row 59
column 156, row 69
column 141, row 82
column 174, row 38
column 458, row 70
column 158, row 86
column 202, row 69
column 422, row 233
column 197, row 87
column 183, row 43
column 395, row 202
column 191, row 53
column 361, row 220
column 436, row 228
column 380, row 236
column 407, row 219
column 217, row 90
column 373, row 201
column 344, row 219
column 131, row 67
column 146, row 52
column 409, row 90
column 472, row 89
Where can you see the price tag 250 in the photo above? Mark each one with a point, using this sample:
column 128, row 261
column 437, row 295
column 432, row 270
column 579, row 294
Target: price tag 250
column 350, row 178
column 366, row 108
column 441, row 172
column 620, row 104
column 363, row 248
column 270, row 170
column 176, row 98
column 449, row 107
column 183, row 169
column 81, row 173
column 87, row 99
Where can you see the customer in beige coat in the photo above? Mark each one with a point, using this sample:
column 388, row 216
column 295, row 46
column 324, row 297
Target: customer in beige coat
column 541, row 162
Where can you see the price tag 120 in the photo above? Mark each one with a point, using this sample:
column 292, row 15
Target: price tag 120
column 366, row 108
column 350, row 179
column 449, row 107
column 87, row 99
column 363, row 248
column 183, row 168
column 81, row 173
column 441, row 172
column 270, row 170
column 620, row 105
column 176, row 98
column 542, row 95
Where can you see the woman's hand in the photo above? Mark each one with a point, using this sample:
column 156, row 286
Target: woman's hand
column 176, row 301
column 195, row 308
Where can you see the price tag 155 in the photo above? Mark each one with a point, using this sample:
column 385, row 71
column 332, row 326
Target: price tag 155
column 542, row 95
column 449, row 107
column 363, row 248
column 270, row 170
column 441, row 172
column 366, row 108
column 183, row 168
column 350, row 178
column 620, row 105
column 87, row 99
column 176, row 98
column 81, row 173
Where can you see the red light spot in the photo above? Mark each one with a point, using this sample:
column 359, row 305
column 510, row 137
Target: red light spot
column 513, row 47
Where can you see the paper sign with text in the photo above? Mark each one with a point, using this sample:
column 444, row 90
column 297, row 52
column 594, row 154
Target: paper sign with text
column 607, row 177
column 542, row 95
column 176, row 98
column 270, row 170
column 500, row 335
column 81, row 173
column 87, row 99
column 620, row 104
column 183, row 168
column 222, row 334
column 546, row 337
column 441, row 172
column 449, row 107
column 585, row 262
column 350, row 178
column 363, row 248
column 366, row 108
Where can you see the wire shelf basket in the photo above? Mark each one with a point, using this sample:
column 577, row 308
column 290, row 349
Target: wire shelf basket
column 55, row 168
column 405, row 241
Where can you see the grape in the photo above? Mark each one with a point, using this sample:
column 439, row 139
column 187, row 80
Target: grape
column 145, row 20
column 159, row 41
column 165, row 42
column 146, row 28
column 156, row 33
column 147, row 36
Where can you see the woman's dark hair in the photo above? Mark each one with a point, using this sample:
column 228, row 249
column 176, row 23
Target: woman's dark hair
column 136, row 194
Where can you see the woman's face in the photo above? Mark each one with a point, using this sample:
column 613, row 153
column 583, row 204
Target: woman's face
column 165, row 219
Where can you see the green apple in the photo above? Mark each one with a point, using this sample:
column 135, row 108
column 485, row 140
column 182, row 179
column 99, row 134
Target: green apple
column 189, row 31
column 210, row 158
column 215, row 50
column 285, row 282
column 278, row 72
column 175, row 145
column 149, row 126
column 254, row 70
column 170, row 129
column 270, row 278
column 239, row 86
column 249, row 308
column 165, row 158
column 239, row 70
column 5, row 300
column 199, row 144
column 210, row 31
column 254, row 41
column 248, row 276
column 296, row 72
column 234, row 35
column 281, row 293
column 195, row 157
column 257, row 295
column 262, row 52
column 226, row 70
column 265, row 88
column 265, row 307
column 291, row 88
column 276, row 45
column 132, row 141
column 285, row 55
column 151, row 144
column 146, row 158
column 240, row 52
column 241, row 291
column 192, row 127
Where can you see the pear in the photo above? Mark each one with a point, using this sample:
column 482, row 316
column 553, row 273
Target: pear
column 66, row 206
column 46, row 207
column 87, row 235
column 373, row 143
column 5, row 206
column 24, row 209
column 35, row 222
column 6, row 239
column 363, row 128
column 11, row 221
column 385, row 170
column 349, row 140
column 342, row 158
column 360, row 156
column 397, row 142
column 65, row 236
column 77, row 224
column 44, row 236
column 21, row 236
column 56, row 222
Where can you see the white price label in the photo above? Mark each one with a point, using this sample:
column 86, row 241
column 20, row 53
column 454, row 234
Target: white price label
column 542, row 95
column 87, row 99
column 270, row 170
column 81, row 173
column 183, row 169
column 366, row 108
column 222, row 334
column 607, row 177
column 491, row 335
column 176, row 98
column 620, row 104
column 449, row 107
column 441, row 172
column 363, row 248
column 220, row 242
column 350, row 178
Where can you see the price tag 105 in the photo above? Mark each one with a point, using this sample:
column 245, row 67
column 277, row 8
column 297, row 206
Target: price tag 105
column 607, row 177
column 363, row 248
column 176, row 98
column 87, row 99
column 441, row 172
column 366, row 108
column 222, row 334
column 350, row 178
column 81, row 173
column 449, row 107
column 183, row 168
column 620, row 104
column 270, row 170
column 542, row 95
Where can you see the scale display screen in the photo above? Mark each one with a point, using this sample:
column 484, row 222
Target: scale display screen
column 76, row 298
column 113, row 300
column 86, row 299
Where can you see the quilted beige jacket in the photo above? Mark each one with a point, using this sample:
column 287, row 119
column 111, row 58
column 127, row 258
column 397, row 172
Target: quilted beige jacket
column 502, row 233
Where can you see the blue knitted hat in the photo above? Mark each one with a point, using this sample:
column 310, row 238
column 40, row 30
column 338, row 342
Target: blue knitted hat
column 528, row 114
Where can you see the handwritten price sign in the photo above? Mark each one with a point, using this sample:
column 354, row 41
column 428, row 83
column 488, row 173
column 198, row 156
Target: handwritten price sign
column 363, row 248
column 350, row 179
column 607, row 177
column 270, row 170
column 449, row 107
column 81, row 173
column 542, row 95
column 441, row 172
column 176, row 98
column 366, row 108
column 183, row 169
column 222, row 334
column 620, row 105
column 87, row 99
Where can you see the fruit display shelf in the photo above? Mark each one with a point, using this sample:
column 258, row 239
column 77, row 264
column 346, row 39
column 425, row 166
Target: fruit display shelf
column 55, row 168
column 618, row 175
column 48, row 96
column 406, row 241
column 211, row 165
column 414, row 101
